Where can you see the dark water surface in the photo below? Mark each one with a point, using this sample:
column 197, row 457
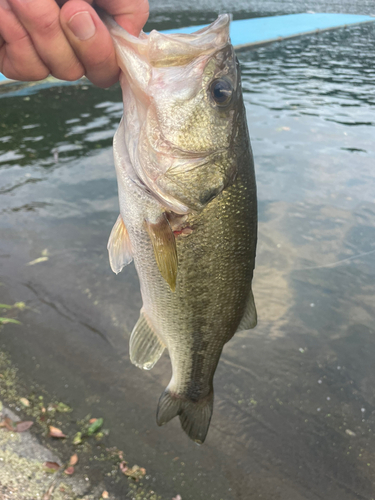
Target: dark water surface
column 294, row 414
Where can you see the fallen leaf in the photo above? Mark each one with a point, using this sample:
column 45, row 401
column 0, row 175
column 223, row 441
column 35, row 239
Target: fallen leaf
column 105, row 494
column 77, row 438
column 36, row 261
column 135, row 472
column 48, row 493
column 7, row 423
column 350, row 433
column 99, row 435
column 4, row 321
column 20, row 305
column 52, row 465
column 73, row 459
column 69, row 471
column 23, row 426
column 55, row 432
column 25, row 401
column 95, row 426
column 63, row 408
column 123, row 466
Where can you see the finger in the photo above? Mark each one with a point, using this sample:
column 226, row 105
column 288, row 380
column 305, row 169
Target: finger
column 18, row 58
column 60, row 3
column 130, row 14
column 41, row 20
column 91, row 42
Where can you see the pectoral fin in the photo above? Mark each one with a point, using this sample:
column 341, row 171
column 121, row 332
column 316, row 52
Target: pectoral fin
column 119, row 247
column 249, row 319
column 164, row 244
column 145, row 346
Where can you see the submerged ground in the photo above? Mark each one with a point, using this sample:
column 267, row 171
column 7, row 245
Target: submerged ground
column 294, row 414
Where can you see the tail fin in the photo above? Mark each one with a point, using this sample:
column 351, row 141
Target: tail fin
column 195, row 417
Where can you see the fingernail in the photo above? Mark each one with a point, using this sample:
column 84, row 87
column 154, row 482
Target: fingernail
column 82, row 25
column 5, row 5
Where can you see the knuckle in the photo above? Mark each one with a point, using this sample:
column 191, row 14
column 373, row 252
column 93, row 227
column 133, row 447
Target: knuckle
column 22, row 75
column 39, row 74
column 102, row 71
column 48, row 24
column 5, row 72
column 102, row 81
column 10, row 75
column 100, row 63
column 72, row 72
column 72, row 76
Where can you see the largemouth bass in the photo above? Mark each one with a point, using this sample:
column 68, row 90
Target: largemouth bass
column 188, row 211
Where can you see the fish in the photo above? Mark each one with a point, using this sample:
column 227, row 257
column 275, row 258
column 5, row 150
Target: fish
column 188, row 207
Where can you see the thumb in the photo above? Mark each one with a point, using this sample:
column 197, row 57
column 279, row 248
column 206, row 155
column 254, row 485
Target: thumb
column 132, row 15
column 90, row 41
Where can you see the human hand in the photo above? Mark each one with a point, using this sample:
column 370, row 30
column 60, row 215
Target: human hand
column 37, row 38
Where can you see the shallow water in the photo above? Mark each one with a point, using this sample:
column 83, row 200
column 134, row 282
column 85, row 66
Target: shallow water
column 286, row 392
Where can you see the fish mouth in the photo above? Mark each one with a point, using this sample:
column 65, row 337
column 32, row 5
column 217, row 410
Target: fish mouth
column 172, row 49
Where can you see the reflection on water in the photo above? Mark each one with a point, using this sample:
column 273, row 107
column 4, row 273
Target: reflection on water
column 172, row 13
column 295, row 402
column 31, row 132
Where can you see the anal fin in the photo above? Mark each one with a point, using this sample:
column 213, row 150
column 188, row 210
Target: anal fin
column 249, row 319
column 119, row 247
column 145, row 346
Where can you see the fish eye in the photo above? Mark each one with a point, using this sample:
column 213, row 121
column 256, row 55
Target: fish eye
column 221, row 91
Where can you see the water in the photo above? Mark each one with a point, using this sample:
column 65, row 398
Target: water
column 286, row 392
